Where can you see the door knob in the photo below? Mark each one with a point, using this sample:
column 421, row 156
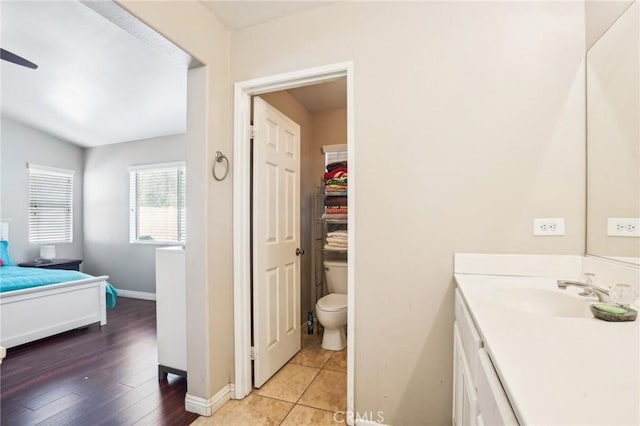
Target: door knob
column 299, row 252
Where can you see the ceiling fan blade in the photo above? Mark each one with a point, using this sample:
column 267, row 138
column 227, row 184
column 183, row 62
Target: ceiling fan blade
column 5, row 55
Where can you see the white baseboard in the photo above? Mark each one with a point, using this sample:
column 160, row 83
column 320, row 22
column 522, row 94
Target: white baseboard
column 206, row 407
column 136, row 294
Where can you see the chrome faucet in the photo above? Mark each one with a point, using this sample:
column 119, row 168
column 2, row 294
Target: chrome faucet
column 589, row 289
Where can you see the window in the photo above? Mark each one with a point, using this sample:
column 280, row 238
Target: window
column 157, row 199
column 50, row 205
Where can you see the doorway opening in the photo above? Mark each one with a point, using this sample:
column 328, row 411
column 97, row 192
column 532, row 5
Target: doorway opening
column 244, row 93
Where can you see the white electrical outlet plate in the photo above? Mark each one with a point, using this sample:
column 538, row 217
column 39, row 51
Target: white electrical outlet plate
column 548, row 226
column 623, row 227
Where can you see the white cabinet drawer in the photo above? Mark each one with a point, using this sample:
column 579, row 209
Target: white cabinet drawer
column 458, row 371
column 469, row 335
column 469, row 415
column 492, row 401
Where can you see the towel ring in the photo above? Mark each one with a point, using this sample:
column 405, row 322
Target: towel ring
column 220, row 157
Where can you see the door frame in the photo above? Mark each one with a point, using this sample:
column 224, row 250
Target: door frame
column 243, row 91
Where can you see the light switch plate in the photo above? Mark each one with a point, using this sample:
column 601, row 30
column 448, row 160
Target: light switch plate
column 548, row 226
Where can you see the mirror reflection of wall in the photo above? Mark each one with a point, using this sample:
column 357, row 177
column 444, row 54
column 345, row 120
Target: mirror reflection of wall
column 613, row 140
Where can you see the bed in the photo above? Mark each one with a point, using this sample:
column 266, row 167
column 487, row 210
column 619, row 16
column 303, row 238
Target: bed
column 37, row 303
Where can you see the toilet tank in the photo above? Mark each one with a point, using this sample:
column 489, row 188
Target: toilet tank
column 336, row 273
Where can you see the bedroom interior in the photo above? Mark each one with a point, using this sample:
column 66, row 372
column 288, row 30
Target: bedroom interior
column 58, row 128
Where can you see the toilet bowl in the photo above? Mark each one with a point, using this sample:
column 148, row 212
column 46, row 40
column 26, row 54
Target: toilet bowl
column 331, row 310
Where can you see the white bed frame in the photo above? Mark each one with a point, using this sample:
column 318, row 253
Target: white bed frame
column 34, row 313
column 38, row 312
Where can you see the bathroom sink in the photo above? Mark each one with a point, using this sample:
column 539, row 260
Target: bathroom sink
column 543, row 302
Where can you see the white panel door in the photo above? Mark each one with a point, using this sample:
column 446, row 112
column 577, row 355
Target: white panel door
column 276, row 240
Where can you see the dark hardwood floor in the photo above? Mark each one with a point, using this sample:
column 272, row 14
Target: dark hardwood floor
column 97, row 375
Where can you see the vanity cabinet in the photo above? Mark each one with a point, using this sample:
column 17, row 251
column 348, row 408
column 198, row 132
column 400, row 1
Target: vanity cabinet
column 493, row 405
column 465, row 400
column 478, row 396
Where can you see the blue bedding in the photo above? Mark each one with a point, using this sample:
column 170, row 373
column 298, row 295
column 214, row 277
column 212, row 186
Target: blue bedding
column 18, row 278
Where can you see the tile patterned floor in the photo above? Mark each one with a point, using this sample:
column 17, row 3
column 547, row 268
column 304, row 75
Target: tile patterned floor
column 308, row 390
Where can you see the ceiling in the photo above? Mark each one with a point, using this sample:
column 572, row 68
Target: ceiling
column 236, row 14
column 96, row 83
column 323, row 96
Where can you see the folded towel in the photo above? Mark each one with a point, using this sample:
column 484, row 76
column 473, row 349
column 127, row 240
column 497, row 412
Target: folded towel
column 335, row 216
column 335, row 244
column 335, row 201
column 340, row 181
column 336, row 210
column 338, row 172
column 336, row 164
column 328, row 247
column 338, row 233
column 342, row 237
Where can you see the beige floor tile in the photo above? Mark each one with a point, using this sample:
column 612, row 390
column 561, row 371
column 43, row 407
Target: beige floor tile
column 312, row 355
column 311, row 339
column 328, row 391
column 338, row 361
column 301, row 415
column 253, row 410
column 288, row 383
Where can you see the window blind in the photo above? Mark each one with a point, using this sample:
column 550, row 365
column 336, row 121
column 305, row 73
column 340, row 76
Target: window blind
column 158, row 208
column 50, row 205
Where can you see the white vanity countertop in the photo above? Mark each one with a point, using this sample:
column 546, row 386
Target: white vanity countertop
column 555, row 370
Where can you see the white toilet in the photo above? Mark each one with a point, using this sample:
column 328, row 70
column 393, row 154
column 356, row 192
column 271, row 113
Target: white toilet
column 331, row 309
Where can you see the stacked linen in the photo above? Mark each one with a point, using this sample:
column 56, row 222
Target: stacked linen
column 337, row 240
column 335, row 184
column 336, row 170
column 335, row 207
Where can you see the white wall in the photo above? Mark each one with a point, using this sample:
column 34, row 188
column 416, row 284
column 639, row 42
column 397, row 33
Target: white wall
column 106, row 206
column 22, row 144
column 483, row 106
column 329, row 128
column 600, row 15
column 106, row 199
column 469, row 122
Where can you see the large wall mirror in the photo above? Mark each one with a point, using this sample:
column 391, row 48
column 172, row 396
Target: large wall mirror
column 613, row 140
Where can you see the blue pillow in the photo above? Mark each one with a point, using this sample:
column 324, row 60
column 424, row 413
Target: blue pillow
column 4, row 253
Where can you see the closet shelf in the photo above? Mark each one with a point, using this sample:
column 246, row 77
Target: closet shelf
column 329, row 220
column 326, row 204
